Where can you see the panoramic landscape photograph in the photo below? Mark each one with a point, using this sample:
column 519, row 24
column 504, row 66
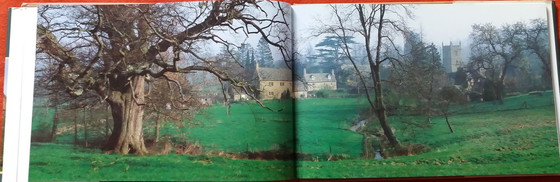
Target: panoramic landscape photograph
column 460, row 89
column 248, row 90
column 163, row 92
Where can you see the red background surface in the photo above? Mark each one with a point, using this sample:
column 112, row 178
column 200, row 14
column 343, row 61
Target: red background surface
column 5, row 4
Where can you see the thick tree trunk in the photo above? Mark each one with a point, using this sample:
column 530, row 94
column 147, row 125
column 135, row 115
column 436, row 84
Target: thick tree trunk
column 381, row 111
column 499, row 91
column 383, row 121
column 376, row 74
column 127, row 110
column 377, row 105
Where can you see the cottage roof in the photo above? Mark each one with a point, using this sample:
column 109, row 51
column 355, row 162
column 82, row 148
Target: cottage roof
column 274, row 74
column 319, row 77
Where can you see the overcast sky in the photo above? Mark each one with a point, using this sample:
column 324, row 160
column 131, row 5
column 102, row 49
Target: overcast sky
column 437, row 22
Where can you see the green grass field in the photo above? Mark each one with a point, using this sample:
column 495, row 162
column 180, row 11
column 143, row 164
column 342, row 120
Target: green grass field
column 58, row 162
column 248, row 125
column 488, row 140
column 265, row 130
column 213, row 128
column 322, row 126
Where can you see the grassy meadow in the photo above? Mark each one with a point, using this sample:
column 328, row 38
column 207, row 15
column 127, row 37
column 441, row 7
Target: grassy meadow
column 248, row 128
column 518, row 137
column 61, row 162
column 241, row 130
column 322, row 126
column 489, row 139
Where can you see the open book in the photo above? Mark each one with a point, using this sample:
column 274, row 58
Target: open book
column 249, row 90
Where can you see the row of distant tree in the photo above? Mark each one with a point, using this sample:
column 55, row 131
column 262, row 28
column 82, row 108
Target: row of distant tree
column 512, row 58
column 249, row 56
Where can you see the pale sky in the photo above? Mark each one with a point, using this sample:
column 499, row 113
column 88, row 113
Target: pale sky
column 437, row 22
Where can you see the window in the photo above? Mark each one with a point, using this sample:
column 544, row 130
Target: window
column 270, row 83
column 271, row 93
column 281, row 83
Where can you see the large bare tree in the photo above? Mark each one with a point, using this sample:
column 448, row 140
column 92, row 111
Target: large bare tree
column 112, row 50
column 374, row 25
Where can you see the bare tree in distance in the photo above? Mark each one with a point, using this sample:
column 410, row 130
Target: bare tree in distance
column 111, row 51
column 494, row 50
column 421, row 69
column 52, row 93
column 538, row 42
column 374, row 24
column 171, row 98
column 450, row 95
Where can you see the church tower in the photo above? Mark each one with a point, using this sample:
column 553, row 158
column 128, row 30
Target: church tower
column 451, row 57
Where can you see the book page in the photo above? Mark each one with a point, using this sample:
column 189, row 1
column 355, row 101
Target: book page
column 19, row 91
column 393, row 90
column 194, row 91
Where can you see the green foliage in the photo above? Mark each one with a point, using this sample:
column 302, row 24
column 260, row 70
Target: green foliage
column 322, row 93
column 264, row 55
column 328, row 93
column 330, row 56
column 453, row 95
column 245, row 55
column 43, row 133
column 422, row 70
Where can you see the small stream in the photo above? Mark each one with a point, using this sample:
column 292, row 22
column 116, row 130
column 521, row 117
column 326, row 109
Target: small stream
column 360, row 124
column 378, row 155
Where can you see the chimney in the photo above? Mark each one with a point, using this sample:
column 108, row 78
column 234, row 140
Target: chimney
column 304, row 71
column 332, row 72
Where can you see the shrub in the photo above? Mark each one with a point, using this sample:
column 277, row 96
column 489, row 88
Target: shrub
column 322, row 93
column 42, row 133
